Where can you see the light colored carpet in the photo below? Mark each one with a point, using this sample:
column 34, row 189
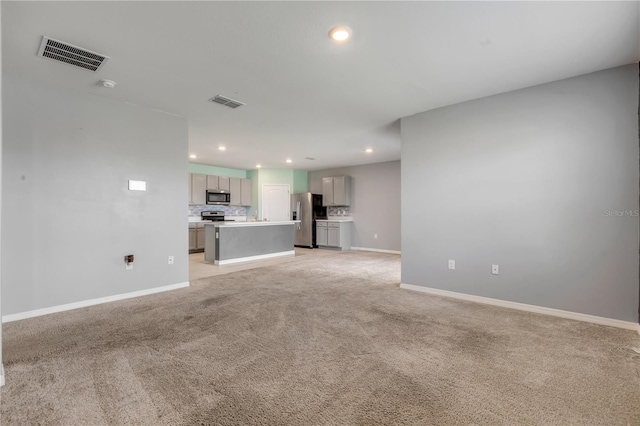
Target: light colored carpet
column 321, row 341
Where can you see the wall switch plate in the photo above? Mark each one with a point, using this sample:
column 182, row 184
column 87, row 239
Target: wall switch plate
column 452, row 264
column 171, row 258
column 375, row 236
column 495, row 269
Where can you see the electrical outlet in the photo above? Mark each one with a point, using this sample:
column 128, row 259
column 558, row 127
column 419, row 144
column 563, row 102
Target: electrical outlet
column 495, row 269
column 128, row 262
column 375, row 236
column 171, row 260
column 452, row 264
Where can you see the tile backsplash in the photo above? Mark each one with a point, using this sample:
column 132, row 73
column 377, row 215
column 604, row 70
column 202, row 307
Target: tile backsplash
column 338, row 211
column 195, row 210
column 228, row 210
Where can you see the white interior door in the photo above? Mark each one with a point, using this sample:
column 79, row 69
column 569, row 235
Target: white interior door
column 276, row 202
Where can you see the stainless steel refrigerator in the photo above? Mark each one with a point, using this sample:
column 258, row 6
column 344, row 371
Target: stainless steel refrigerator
column 306, row 208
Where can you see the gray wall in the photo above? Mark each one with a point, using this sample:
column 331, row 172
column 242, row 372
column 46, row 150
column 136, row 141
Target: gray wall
column 525, row 179
column 375, row 206
column 68, row 218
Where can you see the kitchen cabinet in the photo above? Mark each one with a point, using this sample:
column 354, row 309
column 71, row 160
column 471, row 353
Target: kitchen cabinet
column 212, row 182
column 217, row 183
column 199, row 184
column 198, row 188
column 235, row 186
column 333, row 234
column 223, row 183
column 321, row 234
column 240, row 190
column 200, row 237
column 336, row 191
column 196, row 237
column 327, row 191
column 245, row 192
column 192, row 239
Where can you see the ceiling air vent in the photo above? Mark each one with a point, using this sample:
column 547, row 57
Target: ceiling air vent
column 70, row 54
column 231, row 103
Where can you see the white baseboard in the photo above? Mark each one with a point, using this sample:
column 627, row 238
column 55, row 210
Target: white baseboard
column 376, row 250
column 91, row 302
column 638, row 328
column 1, row 375
column 254, row 258
column 524, row 307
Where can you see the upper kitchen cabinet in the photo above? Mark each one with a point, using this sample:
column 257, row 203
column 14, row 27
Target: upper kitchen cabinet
column 336, row 191
column 234, row 189
column 245, row 192
column 240, row 190
column 224, row 183
column 197, row 188
column 212, row 182
column 217, row 183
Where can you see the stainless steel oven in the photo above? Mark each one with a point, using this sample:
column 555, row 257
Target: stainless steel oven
column 213, row 216
column 218, row 197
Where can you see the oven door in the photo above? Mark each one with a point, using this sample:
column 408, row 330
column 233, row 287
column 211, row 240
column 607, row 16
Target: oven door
column 218, row 197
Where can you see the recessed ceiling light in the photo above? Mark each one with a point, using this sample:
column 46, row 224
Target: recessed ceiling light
column 368, row 150
column 340, row 34
column 258, row 166
column 222, row 148
column 289, row 160
column 193, row 156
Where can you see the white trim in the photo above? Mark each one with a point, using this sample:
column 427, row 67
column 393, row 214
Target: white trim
column 252, row 258
column 1, row 375
column 376, row 250
column 524, row 307
column 91, row 302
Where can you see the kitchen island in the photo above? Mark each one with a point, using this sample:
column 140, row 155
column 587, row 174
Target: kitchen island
column 233, row 242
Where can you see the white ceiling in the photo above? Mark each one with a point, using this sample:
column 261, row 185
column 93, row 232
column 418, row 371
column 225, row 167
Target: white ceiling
column 307, row 96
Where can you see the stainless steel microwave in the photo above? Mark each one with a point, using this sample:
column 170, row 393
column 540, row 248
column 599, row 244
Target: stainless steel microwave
column 218, row 197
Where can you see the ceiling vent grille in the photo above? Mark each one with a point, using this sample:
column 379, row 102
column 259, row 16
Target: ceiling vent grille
column 70, row 54
column 222, row 100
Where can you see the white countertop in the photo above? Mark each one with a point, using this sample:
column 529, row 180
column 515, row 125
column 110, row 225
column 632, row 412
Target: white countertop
column 336, row 219
column 252, row 223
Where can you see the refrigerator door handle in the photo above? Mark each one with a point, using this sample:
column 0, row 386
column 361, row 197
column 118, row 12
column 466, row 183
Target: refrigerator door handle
column 299, row 215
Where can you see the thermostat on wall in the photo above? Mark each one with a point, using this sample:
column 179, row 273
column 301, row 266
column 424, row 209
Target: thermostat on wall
column 137, row 185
